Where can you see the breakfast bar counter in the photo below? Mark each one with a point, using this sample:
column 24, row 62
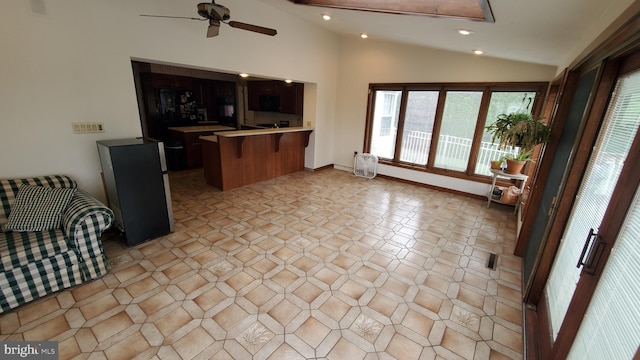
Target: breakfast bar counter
column 233, row 159
column 189, row 138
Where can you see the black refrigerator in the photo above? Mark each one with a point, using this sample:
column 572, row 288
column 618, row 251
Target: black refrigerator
column 137, row 185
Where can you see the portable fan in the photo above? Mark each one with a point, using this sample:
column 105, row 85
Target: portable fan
column 366, row 165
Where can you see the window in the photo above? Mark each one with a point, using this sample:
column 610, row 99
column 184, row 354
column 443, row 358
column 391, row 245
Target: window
column 385, row 123
column 441, row 127
column 502, row 102
column 456, row 133
column 418, row 126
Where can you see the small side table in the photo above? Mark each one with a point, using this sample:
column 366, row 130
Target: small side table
column 499, row 173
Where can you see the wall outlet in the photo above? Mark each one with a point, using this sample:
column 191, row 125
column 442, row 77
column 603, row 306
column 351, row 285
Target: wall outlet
column 87, row 127
column 308, row 123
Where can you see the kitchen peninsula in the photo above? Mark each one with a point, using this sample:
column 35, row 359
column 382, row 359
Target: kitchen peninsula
column 189, row 137
column 233, row 159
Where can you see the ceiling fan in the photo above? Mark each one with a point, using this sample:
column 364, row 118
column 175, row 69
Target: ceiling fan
column 217, row 14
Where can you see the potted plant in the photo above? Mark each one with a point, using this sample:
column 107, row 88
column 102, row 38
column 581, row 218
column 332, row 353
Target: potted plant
column 519, row 129
column 497, row 164
column 515, row 163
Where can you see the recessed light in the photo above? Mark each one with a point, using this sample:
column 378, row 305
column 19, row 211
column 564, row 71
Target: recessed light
column 288, row 81
column 244, row 75
column 327, row 17
column 464, row 32
column 364, row 36
column 478, row 52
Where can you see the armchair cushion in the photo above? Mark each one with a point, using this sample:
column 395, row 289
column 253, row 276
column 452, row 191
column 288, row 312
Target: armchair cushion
column 38, row 208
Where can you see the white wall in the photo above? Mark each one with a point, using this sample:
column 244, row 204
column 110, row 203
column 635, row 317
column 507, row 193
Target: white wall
column 368, row 61
column 616, row 13
column 73, row 64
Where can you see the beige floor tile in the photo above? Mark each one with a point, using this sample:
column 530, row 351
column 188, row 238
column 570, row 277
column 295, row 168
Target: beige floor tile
column 99, row 306
column 260, row 295
column 458, row 343
column 89, row 289
column 327, row 276
column 209, row 298
column 313, row 265
column 402, row 347
column 312, row 332
column 193, row 343
column 33, row 312
column 418, row 323
column 48, row 330
column 353, row 289
column 173, row 321
column 346, row 350
column 335, row 308
column 111, row 326
column 307, row 292
column 507, row 337
column 128, row 348
column 230, row 316
column 286, row 352
column 284, row 312
column 156, row 303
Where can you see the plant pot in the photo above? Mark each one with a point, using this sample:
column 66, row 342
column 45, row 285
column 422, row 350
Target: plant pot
column 496, row 165
column 514, row 166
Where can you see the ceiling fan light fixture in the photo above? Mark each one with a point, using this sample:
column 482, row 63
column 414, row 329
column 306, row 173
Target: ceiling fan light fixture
column 326, row 17
column 217, row 14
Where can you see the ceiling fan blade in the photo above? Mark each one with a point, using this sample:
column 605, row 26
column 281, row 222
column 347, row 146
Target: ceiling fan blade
column 254, row 28
column 174, row 17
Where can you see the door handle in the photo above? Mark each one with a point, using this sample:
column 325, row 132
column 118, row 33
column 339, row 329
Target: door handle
column 595, row 251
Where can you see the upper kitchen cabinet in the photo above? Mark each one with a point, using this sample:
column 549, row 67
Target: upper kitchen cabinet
column 216, row 100
column 162, row 81
column 292, row 96
column 275, row 96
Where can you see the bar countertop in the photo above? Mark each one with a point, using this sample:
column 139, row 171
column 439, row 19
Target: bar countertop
column 200, row 128
column 236, row 133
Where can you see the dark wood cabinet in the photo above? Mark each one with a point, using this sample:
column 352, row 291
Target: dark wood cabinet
column 275, row 96
column 162, row 81
column 291, row 97
column 179, row 101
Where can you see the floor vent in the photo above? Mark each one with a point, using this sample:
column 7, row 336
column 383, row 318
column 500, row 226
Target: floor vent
column 492, row 261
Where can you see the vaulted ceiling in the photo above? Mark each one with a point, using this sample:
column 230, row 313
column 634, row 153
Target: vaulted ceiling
column 540, row 31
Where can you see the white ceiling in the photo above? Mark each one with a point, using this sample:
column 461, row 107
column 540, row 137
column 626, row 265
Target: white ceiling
column 537, row 31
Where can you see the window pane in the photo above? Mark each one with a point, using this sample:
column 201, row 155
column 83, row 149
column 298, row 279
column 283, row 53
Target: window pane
column 385, row 123
column 418, row 126
column 456, row 132
column 501, row 103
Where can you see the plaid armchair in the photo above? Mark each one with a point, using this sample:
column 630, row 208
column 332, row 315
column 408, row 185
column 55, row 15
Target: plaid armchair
column 36, row 263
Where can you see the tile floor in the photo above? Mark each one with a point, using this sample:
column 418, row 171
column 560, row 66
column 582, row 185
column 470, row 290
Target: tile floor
column 312, row 265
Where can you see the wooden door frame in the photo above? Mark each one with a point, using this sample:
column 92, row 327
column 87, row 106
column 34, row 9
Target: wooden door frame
column 534, row 292
column 605, row 81
column 562, row 105
column 621, row 201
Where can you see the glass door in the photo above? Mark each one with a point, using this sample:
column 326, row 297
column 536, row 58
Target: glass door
column 592, row 202
column 609, row 329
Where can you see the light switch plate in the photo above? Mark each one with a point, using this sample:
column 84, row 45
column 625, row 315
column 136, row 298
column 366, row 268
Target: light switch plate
column 87, row 127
